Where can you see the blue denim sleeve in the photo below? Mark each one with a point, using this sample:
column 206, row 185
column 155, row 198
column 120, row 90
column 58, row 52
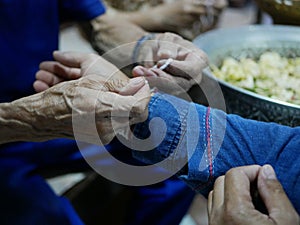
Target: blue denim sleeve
column 202, row 144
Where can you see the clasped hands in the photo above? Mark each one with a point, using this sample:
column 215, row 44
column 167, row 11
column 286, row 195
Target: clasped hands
column 101, row 92
column 232, row 200
column 184, row 71
column 101, row 88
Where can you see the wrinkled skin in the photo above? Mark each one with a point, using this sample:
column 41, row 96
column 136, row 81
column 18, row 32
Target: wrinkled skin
column 230, row 202
column 89, row 103
column 107, row 81
column 80, row 101
column 101, row 95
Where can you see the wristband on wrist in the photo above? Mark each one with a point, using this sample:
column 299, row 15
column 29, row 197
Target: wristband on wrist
column 138, row 46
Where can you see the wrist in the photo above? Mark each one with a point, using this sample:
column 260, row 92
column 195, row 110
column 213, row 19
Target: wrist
column 138, row 46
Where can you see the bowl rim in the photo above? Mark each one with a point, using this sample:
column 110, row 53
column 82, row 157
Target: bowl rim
column 207, row 35
column 251, row 27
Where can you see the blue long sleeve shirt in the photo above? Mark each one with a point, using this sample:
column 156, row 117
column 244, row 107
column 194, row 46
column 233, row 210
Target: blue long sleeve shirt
column 29, row 33
column 199, row 144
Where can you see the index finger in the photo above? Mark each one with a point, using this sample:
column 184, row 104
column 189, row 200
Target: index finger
column 237, row 186
column 188, row 59
column 187, row 69
column 273, row 194
column 51, row 69
column 167, row 49
column 71, row 59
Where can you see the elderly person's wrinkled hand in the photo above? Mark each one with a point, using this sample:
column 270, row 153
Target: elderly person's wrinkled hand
column 101, row 91
column 231, row 202
column 181, row 73
column 92, row 109
column 94, row 101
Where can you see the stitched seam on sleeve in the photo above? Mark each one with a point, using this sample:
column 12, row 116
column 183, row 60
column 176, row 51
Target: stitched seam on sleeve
column 209, row 149
column 182, row 115
column 152, row 103
column 178, row 140
column 209, row 140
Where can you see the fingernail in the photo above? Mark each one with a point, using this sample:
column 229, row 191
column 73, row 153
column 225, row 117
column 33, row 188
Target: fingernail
column 138, row 72
column 56, row 52
column 269, row 172
column 137, row 80
column 151, row 72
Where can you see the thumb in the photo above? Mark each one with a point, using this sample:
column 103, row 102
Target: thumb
column 133, row 86
column 279, row 207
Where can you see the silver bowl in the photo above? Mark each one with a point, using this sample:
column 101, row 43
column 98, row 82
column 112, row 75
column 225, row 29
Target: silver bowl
column 252, row 41
column 282, row 11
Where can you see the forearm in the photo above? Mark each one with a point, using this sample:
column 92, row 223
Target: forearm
column 18, row 120
column 146, row 19
column 116, row 38
column 40, row 117
column 223, row 142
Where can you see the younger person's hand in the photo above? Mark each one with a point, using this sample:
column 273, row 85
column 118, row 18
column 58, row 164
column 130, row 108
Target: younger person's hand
column 73, row 65
column 230, row 203
column 181, row 73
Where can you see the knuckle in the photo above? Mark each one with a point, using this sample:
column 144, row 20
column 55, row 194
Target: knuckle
column 139, row 108
column 276, row 187
column 172, row 36
column 232, row 172
column 219, row 181
column 115, row 85
column 92, row 55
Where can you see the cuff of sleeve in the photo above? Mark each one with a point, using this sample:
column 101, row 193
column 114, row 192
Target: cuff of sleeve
column 193, row 137
column 198, row 174
column 172, row 112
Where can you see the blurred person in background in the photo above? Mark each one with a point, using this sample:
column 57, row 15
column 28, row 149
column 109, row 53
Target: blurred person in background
column 188, row 18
